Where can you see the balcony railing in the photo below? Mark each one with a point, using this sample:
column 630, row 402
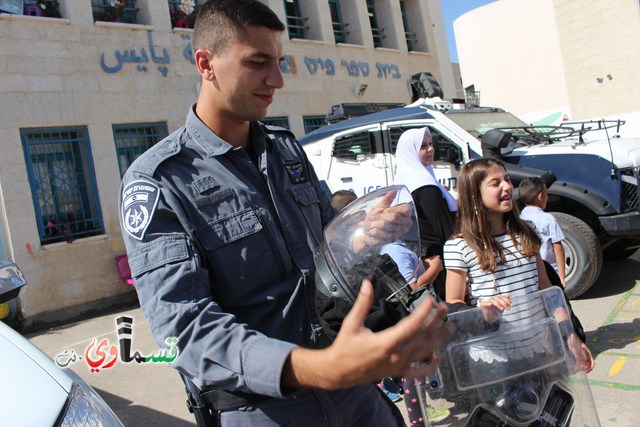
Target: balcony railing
column 340, row 32
column 296, row 26
column 378, row 36
column 412, row 40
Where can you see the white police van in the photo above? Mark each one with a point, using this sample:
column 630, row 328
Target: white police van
column 593, row 175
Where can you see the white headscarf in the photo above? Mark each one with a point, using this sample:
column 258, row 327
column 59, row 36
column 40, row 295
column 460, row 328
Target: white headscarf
column 409, row 169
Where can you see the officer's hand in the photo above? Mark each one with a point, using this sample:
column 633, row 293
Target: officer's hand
column 384, row 223
column 360, row 355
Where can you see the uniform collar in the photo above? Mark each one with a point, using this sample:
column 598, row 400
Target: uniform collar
column 211, row 143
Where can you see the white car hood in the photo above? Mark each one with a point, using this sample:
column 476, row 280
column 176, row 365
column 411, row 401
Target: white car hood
column 34, row 389
column 626, row 151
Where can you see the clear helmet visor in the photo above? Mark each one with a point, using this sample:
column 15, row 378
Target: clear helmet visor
column 376, row 237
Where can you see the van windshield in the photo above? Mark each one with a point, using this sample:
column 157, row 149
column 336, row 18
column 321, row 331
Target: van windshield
column 479, row 122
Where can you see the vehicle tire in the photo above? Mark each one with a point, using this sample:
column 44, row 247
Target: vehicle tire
column 620, row 250
column 583, row 254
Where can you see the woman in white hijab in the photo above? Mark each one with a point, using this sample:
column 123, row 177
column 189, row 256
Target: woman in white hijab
column 436, row 210
column 435, row 206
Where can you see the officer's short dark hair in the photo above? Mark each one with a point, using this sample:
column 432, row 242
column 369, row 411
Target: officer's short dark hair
column 529, row 189
column 219, row 21
column 342, row 198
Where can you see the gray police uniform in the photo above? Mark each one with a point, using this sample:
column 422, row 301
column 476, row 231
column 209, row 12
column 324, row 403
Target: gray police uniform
column 220, row 249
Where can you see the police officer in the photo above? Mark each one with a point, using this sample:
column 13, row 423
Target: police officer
column 220, row 220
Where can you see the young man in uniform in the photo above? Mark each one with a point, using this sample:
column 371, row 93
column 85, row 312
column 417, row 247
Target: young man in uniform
column 220, row 220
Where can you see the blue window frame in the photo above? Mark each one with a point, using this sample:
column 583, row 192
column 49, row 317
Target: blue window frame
column 339, row 29
column 114, row 11
column 283, row 122
column 410, row 37
column 63, row 184
column 376, row 31
column 312, row 123
column 134, row 139
column 295, row 21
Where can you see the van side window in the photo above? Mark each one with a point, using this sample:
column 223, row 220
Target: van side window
column 445, row 150
column 394, row 135
column 350, row 146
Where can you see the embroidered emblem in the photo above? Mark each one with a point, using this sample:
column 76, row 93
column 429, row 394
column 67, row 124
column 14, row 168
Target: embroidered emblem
column 139, row 201
column 297, row 173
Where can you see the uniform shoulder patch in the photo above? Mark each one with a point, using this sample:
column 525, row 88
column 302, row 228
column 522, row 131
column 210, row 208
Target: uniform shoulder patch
column 297, row 172
column 139, row 201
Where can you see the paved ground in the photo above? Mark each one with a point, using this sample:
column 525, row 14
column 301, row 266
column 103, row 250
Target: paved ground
column 151, row 394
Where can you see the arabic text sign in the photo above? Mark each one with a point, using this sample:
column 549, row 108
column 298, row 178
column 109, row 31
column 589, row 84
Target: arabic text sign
column 101, row 354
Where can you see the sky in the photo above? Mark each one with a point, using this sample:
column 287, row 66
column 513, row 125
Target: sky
column 451, row 9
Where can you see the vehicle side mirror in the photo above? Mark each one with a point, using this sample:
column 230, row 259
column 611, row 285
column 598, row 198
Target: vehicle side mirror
column 11, row 281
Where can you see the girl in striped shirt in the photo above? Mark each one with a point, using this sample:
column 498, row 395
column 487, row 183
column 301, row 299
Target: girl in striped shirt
column 493, row 255
column 492, row 246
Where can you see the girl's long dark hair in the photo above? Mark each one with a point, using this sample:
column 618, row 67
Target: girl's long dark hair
column 473, row 222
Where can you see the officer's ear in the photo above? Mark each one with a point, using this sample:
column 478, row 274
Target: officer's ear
column 204, row 64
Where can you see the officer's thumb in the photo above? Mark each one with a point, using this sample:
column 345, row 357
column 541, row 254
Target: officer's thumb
column 362, row 305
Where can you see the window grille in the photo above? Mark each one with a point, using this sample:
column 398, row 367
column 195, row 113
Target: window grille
column 295, row 21
column 349, row 147
column 134, row 139
column 444, row 149
column 410, row 37
column 63, row 184
column 282, row 122
column 376, row 31
column 312, row 123
column 396, row 131
column 339, row 28
column 114, row 11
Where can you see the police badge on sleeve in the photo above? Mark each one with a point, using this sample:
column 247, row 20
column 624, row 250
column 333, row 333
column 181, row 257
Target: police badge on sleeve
column 139, row 201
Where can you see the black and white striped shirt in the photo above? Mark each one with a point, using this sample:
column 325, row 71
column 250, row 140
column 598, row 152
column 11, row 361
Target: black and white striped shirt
column 517, row 276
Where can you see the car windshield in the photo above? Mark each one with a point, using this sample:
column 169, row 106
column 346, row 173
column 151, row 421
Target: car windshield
column 479, row 122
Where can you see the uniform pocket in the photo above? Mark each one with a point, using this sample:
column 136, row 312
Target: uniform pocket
column 308, row 203
column 241, row 255
column 229, row 228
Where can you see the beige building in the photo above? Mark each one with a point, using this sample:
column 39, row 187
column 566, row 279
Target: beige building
column 86, row 90
column 546, row 57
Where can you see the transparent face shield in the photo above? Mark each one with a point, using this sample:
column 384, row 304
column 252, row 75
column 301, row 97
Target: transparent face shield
column 375, row 237
column 517, row 369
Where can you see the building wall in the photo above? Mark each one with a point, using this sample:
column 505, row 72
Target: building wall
column 600, row 47
column 554, row 57
column 509, row 50
column 74, row 72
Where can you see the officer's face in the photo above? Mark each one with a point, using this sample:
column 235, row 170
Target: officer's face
column 247, row 75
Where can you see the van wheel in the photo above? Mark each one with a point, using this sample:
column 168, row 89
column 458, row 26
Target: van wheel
column 583, row 254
